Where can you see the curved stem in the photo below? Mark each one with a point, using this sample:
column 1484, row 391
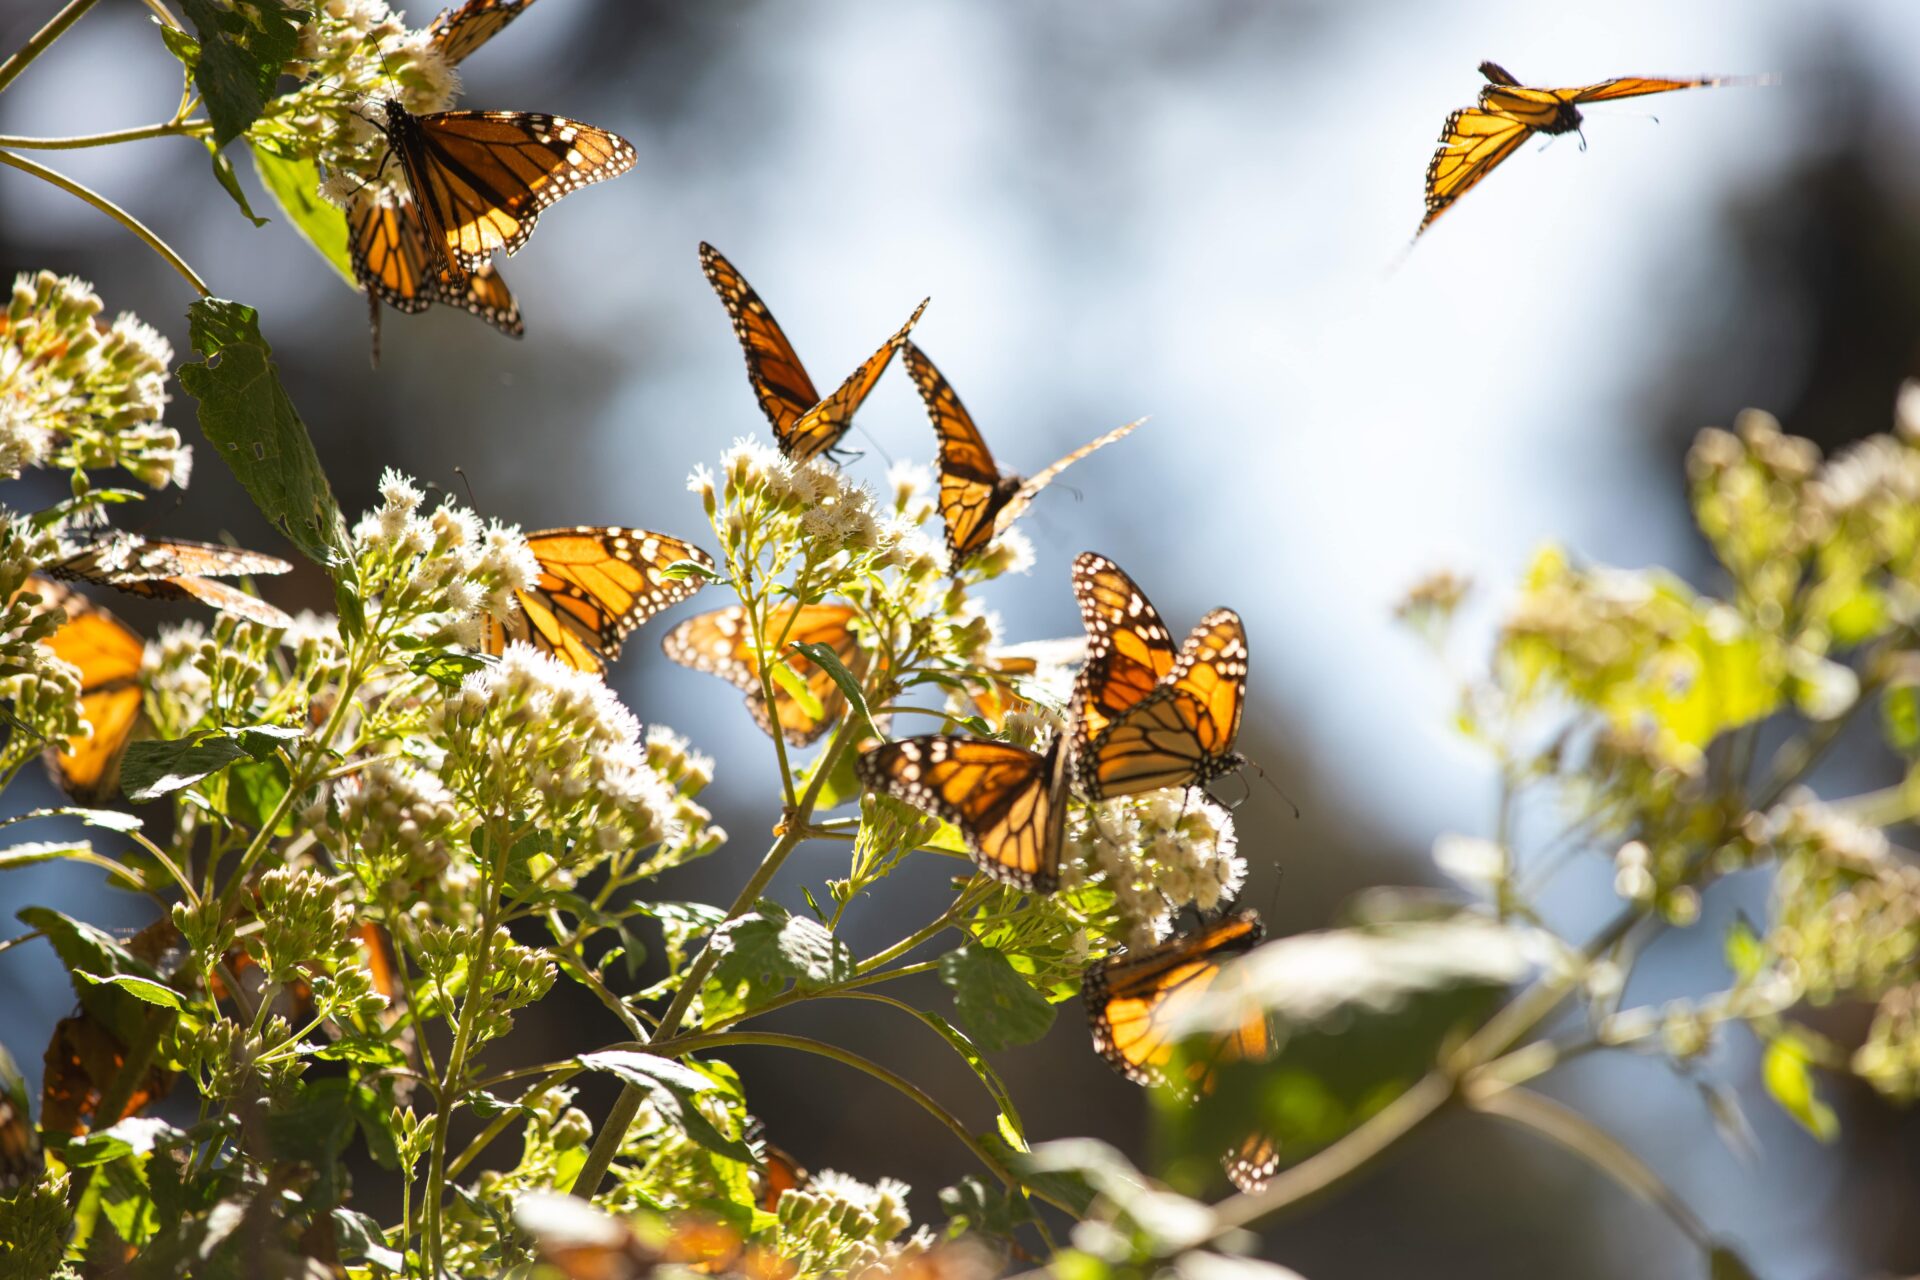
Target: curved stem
column 172, row 128
column 112, row 210
column 780, row 1040
column 37, row 43
column 1565, row 1127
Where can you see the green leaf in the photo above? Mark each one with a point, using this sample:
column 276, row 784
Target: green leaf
column 360, row 1237
column 842, row 786
column 230, row 183
column 975, row 1207
column 145, row 989
column 264, row 741
column 255, row 789
column 1352, row 1016
column 671, row 1087
column 242, row 52
column 25, row 855
column 762, row 951
column 1724, row 1264
column 315, row 1126
column 789, row 679
column 245, row 412
column 85, row 949
column 995, row 1004
column 181, row 45
column 159, row 767
column 445, row 667
column 295, row 187
column 1787, row 1070
column 1165, row 1222
column 827, row 660
column 681, row 570
column 106, row 819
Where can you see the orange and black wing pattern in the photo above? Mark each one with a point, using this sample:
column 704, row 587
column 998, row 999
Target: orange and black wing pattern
column 20, row 1159
column 108, row 655
column 456, row 33
column 721, row 643
column 977, row 502
column 175, row 569
column 480, row 179
column 1182, row 733
column 1129, row 648
column 394, row 263
column 1010, row 804
column 1476, row 139
column 804, row 424
column 597, row 583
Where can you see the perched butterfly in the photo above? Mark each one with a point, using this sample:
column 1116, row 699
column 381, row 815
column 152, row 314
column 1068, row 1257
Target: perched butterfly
column 1009, row 803
column 780, row 1173
column 175, row 569
column 597, row 583
column 1476, row 139
column 721, row 643
column 1011, row 677
column 458, row 32
column 480, row 179
column 392, row 258
column 1146, row 716
column 804, row 425
column 1132, row 999
column 977, row 502
column 108, row 654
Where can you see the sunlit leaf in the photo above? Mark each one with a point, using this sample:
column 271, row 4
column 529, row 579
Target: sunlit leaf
column 295, row 187
column 243, row 49
column 1787, row 1070
column 996, row 1005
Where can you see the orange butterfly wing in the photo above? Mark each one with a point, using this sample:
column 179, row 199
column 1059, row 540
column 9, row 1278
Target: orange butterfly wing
column 456, row 33
column 597, row 583
column 1128, row 647
column 393, row 262
column 108, row 654
column 721, row 643
column 1010, row 804
column 972, row 490
column 1472, row 144
column 1181, row 734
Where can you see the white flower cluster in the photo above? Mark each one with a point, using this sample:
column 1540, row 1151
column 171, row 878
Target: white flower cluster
column 839, row 1225
column 393, row 824
column 530, row 735
column 39, row 690
column 77, row 393
column 1808, row 826
column 178, row 685
column 1157, row 852
column 833, row 514
column 686, row 772
column 439, row 575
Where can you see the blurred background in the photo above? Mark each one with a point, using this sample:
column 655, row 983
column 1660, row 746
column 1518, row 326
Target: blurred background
column 1193, row 211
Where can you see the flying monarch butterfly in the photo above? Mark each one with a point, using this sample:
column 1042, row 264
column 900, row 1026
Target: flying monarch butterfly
column 597, row 583
column 1133, row 998
column 395, row 264
column 804, row 425
column 480, row 179
column 108, row 654
column 1147, row 716
column 174, row 569
column 1009, row 803
column 721, row 643
column 977, row 501
column 1476, row 139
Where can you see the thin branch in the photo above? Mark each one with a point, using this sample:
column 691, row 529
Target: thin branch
column 171, row 129
column 113, row 211
column 37, row 43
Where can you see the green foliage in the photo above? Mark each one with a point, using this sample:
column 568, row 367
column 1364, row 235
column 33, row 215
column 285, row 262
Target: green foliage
column 996, row 1005
column 294, row 185
column 761, row 952
column 241, row 52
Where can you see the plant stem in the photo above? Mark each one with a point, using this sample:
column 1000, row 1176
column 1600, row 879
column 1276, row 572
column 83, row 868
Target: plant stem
column 1562, row 1125
column 780, row 1040
column 112, row 210
column 606, row 1143
column 37, row 43
column 172, row 128
column 451, row 1083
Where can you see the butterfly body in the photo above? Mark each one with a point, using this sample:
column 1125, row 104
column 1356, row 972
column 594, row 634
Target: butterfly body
column 805, row 425
column 1010, row 804
column 1475, row 140
column 1147, row 715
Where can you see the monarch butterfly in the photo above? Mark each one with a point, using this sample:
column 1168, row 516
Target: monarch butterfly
column 978, row 502
column 597, row 583
column 392, row 258
column 175, row 569
column 89, row 1049
column 780, row 1173
column 108, row 654
column 721, row 643
column 581, row 1242
column 1132, row 999
column 1009, row 675
column 480, row 179
column 1146, row 716
column 1009, row 803
column 804, row 425
column 458, row 32
column 1476, row 139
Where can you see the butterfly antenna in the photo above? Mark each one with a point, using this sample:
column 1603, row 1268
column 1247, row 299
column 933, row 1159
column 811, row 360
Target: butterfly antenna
column 1276, row 788
column 1583, row 140
column 877, row 447
column 461, row 472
